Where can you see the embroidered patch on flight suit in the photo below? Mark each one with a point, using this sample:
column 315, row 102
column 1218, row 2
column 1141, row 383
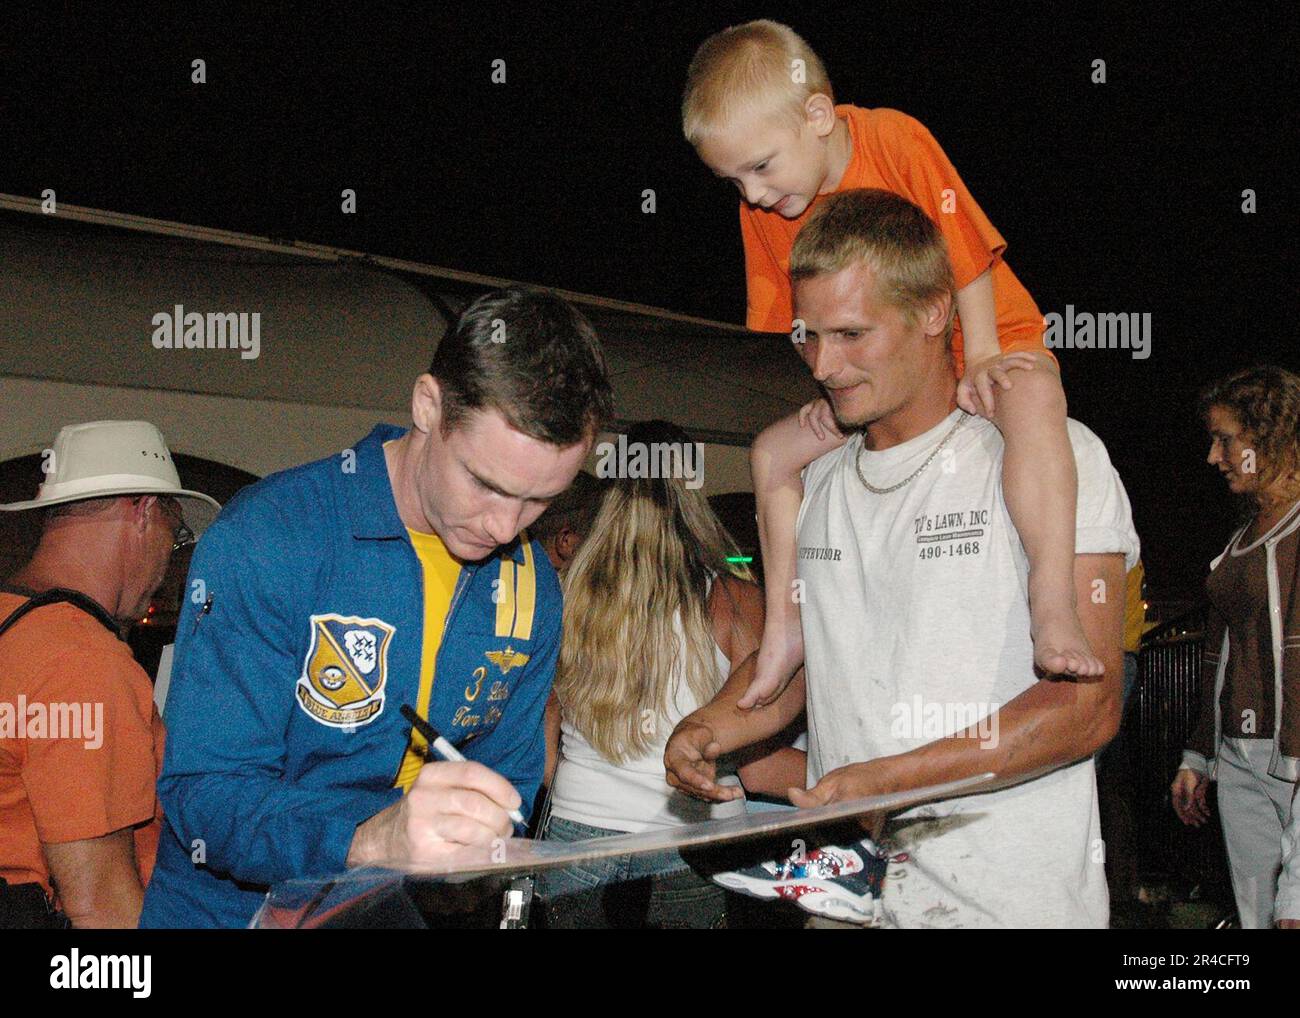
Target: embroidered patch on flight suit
column 506, row 659
column 344, row 674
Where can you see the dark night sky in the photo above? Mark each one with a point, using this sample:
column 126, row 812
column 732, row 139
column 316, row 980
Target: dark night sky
column 1122, row 197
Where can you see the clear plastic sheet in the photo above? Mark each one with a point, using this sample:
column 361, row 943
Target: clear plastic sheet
column 465, row 887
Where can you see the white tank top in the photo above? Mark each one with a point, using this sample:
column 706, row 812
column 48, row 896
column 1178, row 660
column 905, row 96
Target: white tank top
column 634, row 796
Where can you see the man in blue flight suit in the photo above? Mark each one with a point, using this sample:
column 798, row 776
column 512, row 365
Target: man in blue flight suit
column 327, row 596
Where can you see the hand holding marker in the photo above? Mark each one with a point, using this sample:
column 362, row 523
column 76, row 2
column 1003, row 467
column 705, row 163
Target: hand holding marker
column 449, row 752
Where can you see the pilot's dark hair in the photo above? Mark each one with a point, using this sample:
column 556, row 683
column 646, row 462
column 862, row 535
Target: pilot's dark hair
column 530, row 355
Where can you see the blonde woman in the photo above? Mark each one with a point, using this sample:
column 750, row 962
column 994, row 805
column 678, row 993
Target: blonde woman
column 655, row 618
column 1247, row 737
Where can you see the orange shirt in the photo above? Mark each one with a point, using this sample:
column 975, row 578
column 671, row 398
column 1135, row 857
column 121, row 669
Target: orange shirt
column 81, row 743
column 894, row 152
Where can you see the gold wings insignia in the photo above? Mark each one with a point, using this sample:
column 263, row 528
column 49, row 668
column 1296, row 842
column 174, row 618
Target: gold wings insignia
column 507, row 659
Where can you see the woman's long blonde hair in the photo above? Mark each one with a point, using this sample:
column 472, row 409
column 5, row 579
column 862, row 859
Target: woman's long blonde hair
column 649, row 557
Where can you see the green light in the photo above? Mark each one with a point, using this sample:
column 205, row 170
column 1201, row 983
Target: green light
column 740, row 558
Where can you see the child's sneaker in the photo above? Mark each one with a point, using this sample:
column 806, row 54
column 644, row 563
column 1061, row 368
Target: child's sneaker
column 840, row 883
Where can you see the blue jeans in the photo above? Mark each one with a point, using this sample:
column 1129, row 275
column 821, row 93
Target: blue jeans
column 658, row 890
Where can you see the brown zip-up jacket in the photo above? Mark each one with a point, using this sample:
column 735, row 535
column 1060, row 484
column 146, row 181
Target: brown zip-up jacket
column 1282, row 551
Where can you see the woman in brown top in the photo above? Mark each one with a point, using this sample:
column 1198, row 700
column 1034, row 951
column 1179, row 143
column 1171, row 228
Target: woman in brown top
column 1247, row 736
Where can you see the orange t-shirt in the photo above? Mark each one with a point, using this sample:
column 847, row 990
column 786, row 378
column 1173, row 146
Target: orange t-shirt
column 81, row 742
column 894, row 152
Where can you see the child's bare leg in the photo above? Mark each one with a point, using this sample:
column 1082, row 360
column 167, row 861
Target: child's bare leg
column 1040, row 484
column 779, row 454
column 781, row 650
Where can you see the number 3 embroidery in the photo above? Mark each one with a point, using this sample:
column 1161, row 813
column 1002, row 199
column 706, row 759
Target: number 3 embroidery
column 472, row 692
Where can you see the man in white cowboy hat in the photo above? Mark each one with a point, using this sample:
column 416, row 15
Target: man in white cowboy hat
column 81, row 742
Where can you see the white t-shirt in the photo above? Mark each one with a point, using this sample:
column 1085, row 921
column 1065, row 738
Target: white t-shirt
column 635, row 796
column 916, row 625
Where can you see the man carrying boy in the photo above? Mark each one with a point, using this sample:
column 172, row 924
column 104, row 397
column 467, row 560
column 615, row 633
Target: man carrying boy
column 760, row 111
column 920, row 665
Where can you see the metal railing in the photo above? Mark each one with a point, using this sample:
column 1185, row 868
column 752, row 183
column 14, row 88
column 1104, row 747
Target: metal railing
column 1168, row 697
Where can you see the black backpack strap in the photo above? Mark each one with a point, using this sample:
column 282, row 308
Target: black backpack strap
column 60, row 595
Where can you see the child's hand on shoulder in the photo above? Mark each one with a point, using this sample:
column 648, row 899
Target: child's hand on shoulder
column 977, row 388
column 819, row 416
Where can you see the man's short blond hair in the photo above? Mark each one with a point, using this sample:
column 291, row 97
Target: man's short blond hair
column 896, row 239
column 760, row 67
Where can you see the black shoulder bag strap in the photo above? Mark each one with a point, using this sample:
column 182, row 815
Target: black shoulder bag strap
column 25, row 906
column 59, row 595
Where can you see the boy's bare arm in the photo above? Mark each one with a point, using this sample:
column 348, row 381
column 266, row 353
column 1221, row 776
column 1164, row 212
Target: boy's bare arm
column 985, row 368
column 979, row 319
column 783, row 449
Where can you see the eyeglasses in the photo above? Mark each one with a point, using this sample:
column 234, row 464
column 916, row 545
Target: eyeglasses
column 182, row 535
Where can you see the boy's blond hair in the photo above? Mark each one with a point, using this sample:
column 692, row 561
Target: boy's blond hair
column 759, row 67
column 900, row 243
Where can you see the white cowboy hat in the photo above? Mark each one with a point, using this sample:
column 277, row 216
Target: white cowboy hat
column 104, row 459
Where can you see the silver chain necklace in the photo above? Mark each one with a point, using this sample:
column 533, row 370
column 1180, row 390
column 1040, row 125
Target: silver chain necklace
column 915, row 473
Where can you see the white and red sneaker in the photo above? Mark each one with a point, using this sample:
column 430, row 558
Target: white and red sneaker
column 840, row 883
